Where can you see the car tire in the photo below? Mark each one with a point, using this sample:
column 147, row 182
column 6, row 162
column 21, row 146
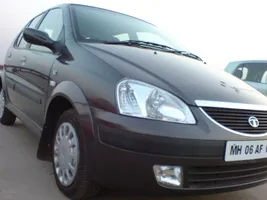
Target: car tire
column 6, row 116
column 69, row 132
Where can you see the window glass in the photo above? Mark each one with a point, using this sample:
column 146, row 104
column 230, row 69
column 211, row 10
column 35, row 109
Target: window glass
column 241, row 72
column 35, row 21
column 245, row 73
column 122, row 37
column 21, row 43
column 53, row 25
column 151, row 37
column 104, row 25
column 264, row 78
column 253, row 72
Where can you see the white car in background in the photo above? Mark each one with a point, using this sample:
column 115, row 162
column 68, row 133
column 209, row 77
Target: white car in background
column 253, row 72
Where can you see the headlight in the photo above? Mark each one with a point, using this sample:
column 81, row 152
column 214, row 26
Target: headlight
column 138, row 99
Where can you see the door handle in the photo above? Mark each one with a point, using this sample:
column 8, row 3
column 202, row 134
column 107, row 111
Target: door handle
column 23, row 59
column 14, row 70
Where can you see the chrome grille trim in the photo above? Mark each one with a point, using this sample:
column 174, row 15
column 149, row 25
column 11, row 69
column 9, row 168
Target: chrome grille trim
column 221, row 104
column 230, row 130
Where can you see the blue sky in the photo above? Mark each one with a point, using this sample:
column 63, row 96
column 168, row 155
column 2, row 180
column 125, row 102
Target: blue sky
column 218, row 31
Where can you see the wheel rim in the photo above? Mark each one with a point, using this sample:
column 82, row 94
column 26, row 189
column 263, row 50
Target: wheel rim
column 2, row 103
column 66, row 154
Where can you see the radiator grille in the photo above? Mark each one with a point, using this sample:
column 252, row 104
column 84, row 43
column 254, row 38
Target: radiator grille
column 237, row 119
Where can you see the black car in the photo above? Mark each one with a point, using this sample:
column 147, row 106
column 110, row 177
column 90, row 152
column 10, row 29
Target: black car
column 119, row 104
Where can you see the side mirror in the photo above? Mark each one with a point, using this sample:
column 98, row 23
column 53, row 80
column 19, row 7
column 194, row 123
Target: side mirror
column 40, row 38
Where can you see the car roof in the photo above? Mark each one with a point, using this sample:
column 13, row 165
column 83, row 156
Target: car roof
column 248, row 61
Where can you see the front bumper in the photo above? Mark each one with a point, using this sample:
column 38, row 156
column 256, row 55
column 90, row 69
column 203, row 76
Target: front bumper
column 128, row 148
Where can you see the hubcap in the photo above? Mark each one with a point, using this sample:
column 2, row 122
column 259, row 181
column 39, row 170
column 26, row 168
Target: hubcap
column 66, row 154
column 2, row 103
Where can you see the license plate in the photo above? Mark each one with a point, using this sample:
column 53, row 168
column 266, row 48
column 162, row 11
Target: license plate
column 245, row 150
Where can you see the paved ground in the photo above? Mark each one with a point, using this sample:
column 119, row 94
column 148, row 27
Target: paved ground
column 23, row 177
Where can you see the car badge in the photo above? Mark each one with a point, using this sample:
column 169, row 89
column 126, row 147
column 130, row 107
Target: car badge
column 253, row 122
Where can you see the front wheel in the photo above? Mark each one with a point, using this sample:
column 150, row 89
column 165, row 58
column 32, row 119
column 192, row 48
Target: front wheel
column 6, row 116
column 70, row 162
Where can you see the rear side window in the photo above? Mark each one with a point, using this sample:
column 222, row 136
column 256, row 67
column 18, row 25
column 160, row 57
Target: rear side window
column 21, row 43
column 52, row 24
column 252, row 72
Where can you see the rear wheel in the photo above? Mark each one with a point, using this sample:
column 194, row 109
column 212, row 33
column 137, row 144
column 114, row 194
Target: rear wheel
column 70, row 161
column 6, row 116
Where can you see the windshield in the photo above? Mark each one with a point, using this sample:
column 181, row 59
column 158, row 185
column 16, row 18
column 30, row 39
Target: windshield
column 97, row 24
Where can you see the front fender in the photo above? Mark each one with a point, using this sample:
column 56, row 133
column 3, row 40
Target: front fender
column 71, row 92
column 74, row 95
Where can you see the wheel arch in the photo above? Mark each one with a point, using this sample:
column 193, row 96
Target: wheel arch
column 66, row 95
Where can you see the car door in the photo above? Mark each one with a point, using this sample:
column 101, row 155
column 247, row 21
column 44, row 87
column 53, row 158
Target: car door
column 14, row 64
column 38, row 61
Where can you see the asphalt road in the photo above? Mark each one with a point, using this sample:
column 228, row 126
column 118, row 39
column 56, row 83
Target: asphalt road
column 23, row 177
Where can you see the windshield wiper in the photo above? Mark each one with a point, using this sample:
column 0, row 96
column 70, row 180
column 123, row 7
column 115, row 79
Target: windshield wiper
column 156, row 45
column 147, row 44
column 143, row 43
column 135, row 43
column 191, row 55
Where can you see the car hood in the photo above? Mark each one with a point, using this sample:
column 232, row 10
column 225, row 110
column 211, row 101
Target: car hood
column 187, row 78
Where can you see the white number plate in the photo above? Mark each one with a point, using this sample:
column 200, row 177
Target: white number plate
column 245, row 150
